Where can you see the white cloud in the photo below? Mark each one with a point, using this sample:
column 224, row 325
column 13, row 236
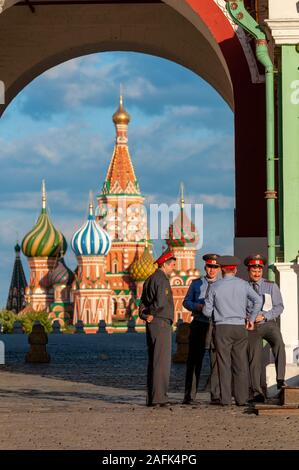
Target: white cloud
column 31, row 200
column 139, row 87
column 49, row 154
column 218, row 201
column 65, row 70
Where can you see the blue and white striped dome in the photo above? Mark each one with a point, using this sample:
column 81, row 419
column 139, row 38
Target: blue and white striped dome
column 91, row 239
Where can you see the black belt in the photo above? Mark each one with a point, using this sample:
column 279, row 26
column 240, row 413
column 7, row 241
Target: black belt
column 167, row 320
column 265, row 322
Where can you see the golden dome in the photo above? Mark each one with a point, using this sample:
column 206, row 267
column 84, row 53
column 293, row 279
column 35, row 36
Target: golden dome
column 142, row 268
column 121, row 116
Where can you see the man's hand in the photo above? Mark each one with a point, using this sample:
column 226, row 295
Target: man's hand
column 249, row 325
column 149, row 318
column 260, row 317
column 199, row 307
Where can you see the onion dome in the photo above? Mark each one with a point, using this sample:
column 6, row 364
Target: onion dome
column 182, row 232
column 91, row 239
column 44, row 239
column 61, row 274
column 121, row 116
column 142, row 268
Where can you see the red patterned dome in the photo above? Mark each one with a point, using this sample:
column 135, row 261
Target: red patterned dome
column 182, row 232
column 61, row 274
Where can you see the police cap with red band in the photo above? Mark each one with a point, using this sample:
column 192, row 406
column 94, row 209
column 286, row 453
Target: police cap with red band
column 229, row 262
column 255, row 260
column 211, row 259
column 167, row 255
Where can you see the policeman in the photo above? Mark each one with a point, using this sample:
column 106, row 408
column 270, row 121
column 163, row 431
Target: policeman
column 157, row 309
column 265, row 327
column 201, row 333
column 227, row 302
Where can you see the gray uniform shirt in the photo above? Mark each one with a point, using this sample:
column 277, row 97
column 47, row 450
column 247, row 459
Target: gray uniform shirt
column 263, row 286
column 156, row 298
column 228, row 301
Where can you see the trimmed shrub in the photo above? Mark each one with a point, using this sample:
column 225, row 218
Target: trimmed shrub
column 29, row 318
column 7, row 318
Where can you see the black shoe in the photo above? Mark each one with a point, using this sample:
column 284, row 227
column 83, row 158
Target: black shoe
column 215, row 401
column 257, row 399
column 188, row 401
column 280, row 384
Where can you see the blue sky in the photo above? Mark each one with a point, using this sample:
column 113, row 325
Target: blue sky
column 60, row 128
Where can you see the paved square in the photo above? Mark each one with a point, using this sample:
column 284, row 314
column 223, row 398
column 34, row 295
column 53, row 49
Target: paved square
column 92, row 396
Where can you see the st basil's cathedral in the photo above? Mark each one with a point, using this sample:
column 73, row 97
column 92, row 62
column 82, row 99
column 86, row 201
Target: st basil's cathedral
column 113, row 249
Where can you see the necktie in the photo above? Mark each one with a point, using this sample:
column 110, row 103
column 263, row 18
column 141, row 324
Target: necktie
column 256, row 287
column 208, row 288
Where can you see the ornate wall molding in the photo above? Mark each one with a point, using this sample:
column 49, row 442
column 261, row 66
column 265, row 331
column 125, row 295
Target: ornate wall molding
column 256, row 77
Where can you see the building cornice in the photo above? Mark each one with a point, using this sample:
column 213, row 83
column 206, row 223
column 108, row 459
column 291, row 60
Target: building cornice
column 284, row 31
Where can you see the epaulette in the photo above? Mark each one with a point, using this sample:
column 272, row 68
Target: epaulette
column 270, row 282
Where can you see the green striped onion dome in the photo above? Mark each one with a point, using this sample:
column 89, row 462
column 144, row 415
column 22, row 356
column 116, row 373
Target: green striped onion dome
column 44, row 239
column 182, row 233
column 142, row 268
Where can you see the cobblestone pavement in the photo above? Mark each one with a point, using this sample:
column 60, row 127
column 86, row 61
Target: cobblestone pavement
column 92, row 396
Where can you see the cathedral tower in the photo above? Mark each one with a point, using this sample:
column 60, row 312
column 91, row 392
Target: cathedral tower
column 122, row 212
column 91, row 294
column 16, row 294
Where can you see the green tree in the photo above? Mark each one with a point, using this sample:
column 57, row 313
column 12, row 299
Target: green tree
column 7, row 318
column 29, row 318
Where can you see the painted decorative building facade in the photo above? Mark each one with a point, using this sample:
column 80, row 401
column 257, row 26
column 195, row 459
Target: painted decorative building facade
column 42, row 246
column 122, row 212
column 91, row 290
column 113, row 250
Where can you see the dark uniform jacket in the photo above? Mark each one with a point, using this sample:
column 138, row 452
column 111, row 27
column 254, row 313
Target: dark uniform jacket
column 156, row 298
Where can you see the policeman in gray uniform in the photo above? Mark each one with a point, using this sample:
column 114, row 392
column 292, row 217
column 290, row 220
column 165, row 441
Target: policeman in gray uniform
column 227, row 301
column 265, row 327
column 157, row 309
column 200, row 337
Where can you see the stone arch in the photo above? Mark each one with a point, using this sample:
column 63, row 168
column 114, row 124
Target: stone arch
column 197, row 35
column 157, row 29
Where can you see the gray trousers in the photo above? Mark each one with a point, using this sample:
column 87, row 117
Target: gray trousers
column 200, row 339
column 271, row 333
column 158, row 336
column 231, row 343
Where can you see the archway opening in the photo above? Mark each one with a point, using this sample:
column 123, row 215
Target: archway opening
column 181, row 130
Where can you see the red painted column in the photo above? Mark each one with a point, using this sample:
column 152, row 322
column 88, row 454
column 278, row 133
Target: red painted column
column 250, row 124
